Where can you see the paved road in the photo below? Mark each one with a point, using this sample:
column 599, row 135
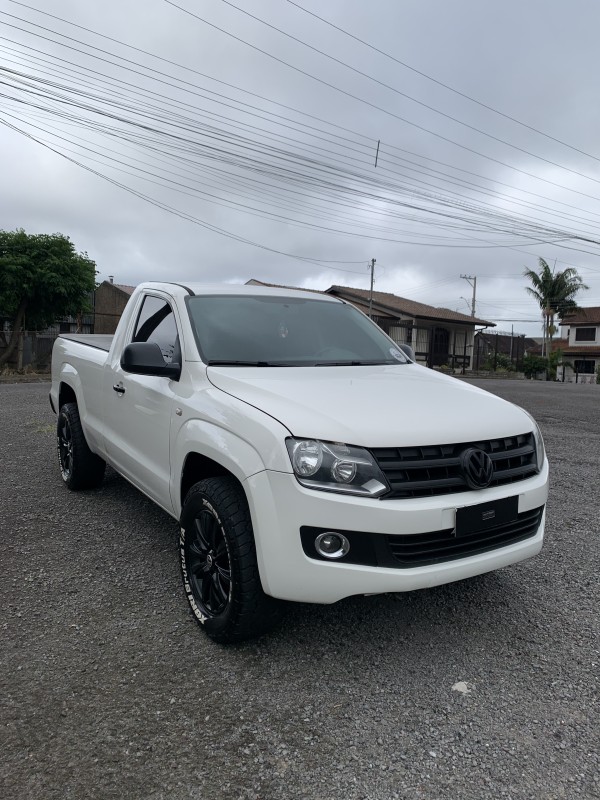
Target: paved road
column 109, row 690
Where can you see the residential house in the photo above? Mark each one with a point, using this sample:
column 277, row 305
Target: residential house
column 110, row 300
column 440, row 337
column 581, row 345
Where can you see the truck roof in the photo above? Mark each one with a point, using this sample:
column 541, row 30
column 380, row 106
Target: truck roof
column 185, row 288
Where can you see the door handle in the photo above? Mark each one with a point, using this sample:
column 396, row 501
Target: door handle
column 119, row 388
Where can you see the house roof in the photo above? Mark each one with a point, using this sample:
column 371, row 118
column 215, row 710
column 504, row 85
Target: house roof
column 574, row 351
column 121, row 286
column 582, row 352
column 401, row 305
column 583, row 316
column 557, row 344
column 255, row 282
column 506, row 341
column 124, row 288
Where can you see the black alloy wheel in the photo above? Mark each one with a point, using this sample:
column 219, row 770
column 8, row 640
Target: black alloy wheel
column 79, row 467
column 208, row 563
column 219, row 565
column 65, row 446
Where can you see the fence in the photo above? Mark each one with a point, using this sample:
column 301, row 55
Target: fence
column 499, row 350
column 34, row 348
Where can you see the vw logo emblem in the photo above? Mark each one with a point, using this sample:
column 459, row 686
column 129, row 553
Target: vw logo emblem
column 477, row 468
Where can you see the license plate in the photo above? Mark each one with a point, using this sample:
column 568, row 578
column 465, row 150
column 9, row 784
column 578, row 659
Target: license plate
column 471, row 519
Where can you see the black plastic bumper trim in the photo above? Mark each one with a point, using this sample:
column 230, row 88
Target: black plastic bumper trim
column 404, row 551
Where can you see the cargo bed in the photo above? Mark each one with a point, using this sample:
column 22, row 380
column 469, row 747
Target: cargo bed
column 101, row 341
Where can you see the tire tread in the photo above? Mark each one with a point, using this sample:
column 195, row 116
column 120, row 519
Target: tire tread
column 252, row 612
column 87, row 470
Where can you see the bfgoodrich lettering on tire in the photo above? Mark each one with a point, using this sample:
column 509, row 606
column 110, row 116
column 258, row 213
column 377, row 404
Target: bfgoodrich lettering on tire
column 79, row 467
column 218, row 563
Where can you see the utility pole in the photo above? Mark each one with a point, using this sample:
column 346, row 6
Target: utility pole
column 371, row 293
column 468, row 279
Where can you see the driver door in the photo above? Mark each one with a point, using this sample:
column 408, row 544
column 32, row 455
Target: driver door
column 139, row 408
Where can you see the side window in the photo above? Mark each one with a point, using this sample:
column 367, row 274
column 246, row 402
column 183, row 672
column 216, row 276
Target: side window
column 156, row 323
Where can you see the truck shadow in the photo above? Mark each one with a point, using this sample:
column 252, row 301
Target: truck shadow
column 492, row 612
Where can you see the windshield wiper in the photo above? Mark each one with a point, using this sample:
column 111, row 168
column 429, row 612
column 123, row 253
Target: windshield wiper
column 349, row 363
column 339, row 363
column 224, row 363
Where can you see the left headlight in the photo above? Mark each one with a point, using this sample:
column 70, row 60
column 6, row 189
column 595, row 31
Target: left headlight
column 540, row 452
column 335, row 467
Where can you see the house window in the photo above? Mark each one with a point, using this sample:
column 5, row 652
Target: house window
column 585, row 334
column 584, row 366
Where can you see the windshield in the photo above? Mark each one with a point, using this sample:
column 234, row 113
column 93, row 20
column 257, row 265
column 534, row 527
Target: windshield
column 265, row 331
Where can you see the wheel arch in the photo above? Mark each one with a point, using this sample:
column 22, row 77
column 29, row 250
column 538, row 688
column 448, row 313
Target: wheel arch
column 197, row 467
column 66, row 394
column 204, row 450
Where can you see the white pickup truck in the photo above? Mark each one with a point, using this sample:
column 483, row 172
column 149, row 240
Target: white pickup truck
column 305, row 455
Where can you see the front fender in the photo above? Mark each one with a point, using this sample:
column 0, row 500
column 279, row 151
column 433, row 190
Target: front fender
column 226, row 448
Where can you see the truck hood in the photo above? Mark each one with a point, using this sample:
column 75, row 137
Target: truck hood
column 373, row 406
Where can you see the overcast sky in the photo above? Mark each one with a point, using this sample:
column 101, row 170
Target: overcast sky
column 191, row 141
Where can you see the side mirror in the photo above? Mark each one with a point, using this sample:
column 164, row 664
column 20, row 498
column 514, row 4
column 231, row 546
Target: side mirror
column 146, row 358
column 408, row 351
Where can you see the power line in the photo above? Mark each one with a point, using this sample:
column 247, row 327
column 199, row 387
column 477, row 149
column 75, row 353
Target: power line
column 499, row 222
column 313, row 162
column 386, row 111
column 382, row 238
column 391, row 88
column 253, row 94
column 394, row 172
column 440, row 83
column 165, row 207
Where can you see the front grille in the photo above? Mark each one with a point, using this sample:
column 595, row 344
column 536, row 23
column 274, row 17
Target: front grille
column 435, row 469
column 418, row 550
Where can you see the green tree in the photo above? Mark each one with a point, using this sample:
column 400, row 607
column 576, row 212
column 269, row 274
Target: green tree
column 554, row 359
column 42, row 278
column 499, row 361
column 533, row 365
column 555, row 293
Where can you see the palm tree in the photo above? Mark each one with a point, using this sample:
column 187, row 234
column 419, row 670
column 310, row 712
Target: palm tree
column 555, row 293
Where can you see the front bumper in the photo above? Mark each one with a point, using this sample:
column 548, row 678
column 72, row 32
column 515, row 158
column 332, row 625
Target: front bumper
column 280, row 506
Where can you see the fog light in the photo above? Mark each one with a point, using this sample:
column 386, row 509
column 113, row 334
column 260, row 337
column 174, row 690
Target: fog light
column 332, row 545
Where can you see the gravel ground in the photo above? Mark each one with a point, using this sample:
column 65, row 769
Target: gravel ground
column 108, row 689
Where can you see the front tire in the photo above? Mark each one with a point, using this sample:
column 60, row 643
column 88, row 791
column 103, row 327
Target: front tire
column 79, row 467
column 219, row 566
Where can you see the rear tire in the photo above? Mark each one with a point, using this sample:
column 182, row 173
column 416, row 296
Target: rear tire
column 219, row 566
column 79, row 467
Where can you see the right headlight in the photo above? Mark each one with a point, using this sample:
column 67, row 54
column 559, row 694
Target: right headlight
column 335, row 467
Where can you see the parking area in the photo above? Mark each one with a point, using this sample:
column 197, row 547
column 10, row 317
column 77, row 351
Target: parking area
column 486, row 688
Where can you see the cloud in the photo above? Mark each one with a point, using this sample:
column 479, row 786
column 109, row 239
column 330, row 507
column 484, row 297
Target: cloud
column 295, row 180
